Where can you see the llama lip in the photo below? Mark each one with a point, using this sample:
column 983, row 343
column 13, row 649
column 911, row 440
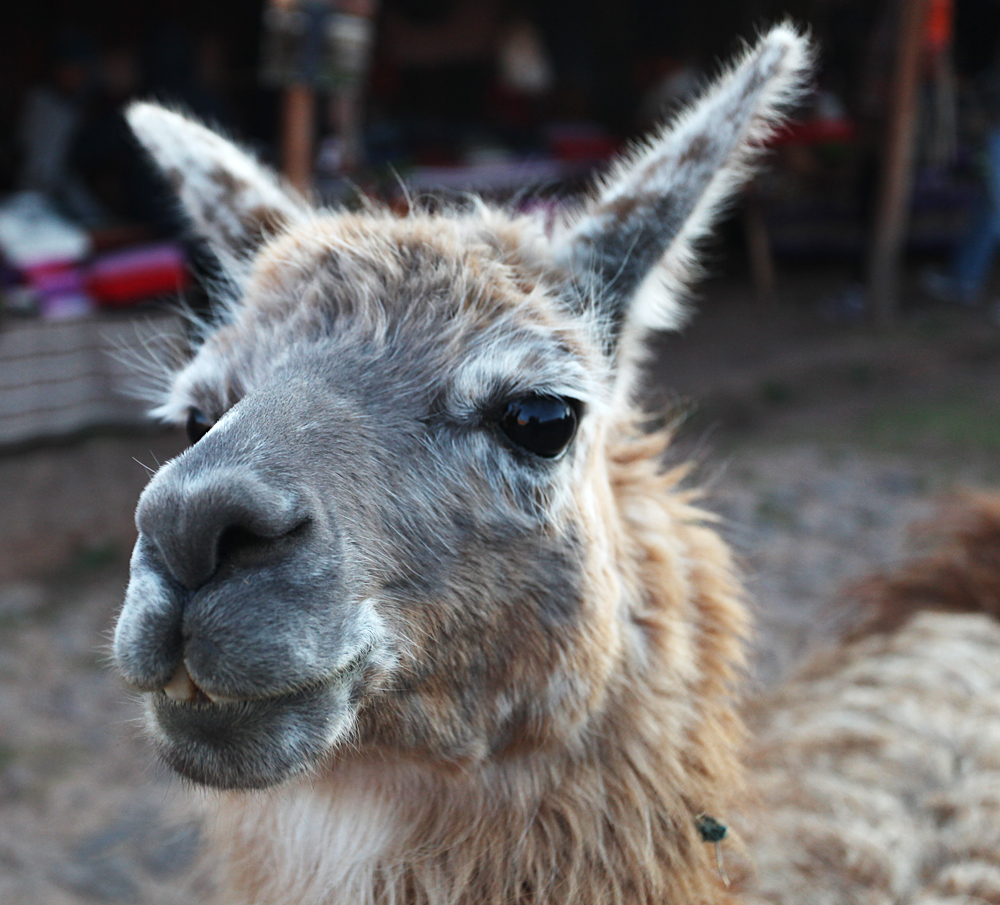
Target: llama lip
column 259, row 740
column 251, row 743
column 182, row 688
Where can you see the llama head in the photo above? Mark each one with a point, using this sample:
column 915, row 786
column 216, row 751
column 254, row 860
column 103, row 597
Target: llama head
column 395, row 530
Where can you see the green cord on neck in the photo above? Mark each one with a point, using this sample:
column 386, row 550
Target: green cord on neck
column 710, row 829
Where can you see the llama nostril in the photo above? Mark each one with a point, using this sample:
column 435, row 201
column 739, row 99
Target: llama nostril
column 237, row 542
column 199, row 522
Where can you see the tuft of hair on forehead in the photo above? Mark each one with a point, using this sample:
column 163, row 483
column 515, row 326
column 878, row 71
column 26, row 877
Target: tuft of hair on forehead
column 459, row 288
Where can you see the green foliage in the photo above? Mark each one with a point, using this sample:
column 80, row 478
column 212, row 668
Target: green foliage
column 961, row 422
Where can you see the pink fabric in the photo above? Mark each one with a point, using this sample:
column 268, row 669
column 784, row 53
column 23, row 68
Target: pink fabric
column 138, row 273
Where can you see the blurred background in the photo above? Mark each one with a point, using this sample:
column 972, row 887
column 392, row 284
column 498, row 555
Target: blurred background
column 839, row 379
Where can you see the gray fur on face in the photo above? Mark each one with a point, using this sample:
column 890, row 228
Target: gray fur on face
column 295, row 579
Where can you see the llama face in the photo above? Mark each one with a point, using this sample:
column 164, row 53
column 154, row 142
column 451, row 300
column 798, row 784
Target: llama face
column 395, row 534
column 364, row 546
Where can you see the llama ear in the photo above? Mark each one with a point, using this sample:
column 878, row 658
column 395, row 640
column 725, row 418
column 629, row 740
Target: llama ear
column 630, row 251
column 233, row 202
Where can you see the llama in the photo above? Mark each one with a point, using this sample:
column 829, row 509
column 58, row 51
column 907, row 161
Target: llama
column 420, row 603
column 877, row 769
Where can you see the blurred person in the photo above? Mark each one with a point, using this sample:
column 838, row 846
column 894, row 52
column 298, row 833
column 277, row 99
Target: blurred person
column 971, row 262
column 972, row 259
column 49, row 125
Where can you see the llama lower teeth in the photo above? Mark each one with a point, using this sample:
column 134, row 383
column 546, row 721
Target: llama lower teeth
column 181, row 687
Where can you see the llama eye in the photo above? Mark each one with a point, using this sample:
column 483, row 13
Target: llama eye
column 197, row 425
column 543, row 425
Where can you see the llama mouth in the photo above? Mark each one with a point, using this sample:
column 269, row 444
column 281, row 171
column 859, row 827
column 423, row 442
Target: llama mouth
column 257, row 741
column 183, row 689
column 250, row 743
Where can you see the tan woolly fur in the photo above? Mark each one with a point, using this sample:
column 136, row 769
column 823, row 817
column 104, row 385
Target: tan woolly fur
column 876, row 771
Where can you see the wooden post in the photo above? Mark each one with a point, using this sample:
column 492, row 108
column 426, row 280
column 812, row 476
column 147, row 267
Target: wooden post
column 298, row 125
column 298, row 130
column 897, row 166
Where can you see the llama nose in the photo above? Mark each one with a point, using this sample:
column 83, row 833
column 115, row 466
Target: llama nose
column 199, row 521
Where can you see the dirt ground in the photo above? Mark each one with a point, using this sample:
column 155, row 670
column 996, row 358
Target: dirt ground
column 818, row 444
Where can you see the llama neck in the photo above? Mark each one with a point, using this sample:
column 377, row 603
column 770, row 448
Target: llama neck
column 612, row 822
column 608, row 827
